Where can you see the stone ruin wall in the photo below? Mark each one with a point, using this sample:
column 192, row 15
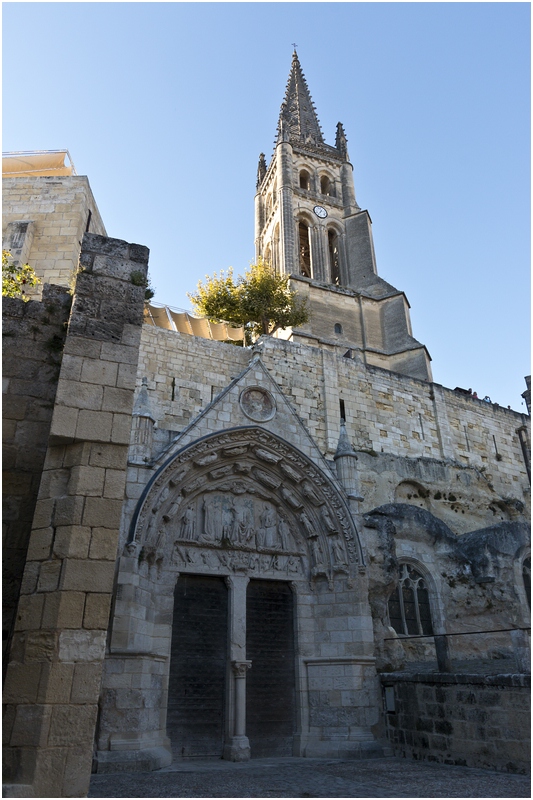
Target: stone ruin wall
column 33, row 338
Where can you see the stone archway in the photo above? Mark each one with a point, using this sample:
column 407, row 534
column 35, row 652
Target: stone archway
column 242, row 506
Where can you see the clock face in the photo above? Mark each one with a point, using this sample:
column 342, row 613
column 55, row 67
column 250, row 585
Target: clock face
column 320, row 212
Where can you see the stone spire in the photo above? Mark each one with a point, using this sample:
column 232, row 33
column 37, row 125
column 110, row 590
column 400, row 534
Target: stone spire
column 298, row 121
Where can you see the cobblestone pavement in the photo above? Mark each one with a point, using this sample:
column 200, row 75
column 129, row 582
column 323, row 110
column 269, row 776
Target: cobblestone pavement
column 306, row 777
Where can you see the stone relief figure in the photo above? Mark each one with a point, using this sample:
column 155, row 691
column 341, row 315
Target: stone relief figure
column 308, row 525
column 316, row 551
column 268, row 529
column 285, row 533
column 337, row 553
column 173, row 510
column 211, row 527
column 244, row 522
column 328, row 522
column 292, row 565
column 187, row 524
column 228, row 517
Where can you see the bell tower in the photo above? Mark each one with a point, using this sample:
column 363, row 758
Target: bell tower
column 309, row 225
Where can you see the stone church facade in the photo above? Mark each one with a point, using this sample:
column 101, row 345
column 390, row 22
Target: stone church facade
column 216, row 551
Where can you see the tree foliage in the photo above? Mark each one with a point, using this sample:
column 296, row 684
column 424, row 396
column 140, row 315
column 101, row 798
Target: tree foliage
column 260, row 300
column 16, row 278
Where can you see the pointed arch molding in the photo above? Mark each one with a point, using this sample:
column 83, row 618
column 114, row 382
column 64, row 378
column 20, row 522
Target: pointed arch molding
column 249, row 502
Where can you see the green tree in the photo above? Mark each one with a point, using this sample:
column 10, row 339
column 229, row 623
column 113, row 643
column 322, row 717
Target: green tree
column 260, row 300
column 16, row 278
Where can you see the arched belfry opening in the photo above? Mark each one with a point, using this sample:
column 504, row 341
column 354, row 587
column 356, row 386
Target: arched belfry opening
column 233, row 536
column 304, row 249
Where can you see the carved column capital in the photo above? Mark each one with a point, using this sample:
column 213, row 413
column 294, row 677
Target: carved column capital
column 240, row 668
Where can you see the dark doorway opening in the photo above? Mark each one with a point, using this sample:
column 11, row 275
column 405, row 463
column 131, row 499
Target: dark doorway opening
column 197, row 678
column 270, row 683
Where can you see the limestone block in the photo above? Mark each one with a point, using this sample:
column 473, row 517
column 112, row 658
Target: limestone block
column 30, row 577
column 56, row 683
column 40, row 646
column 77, row 772
column 42, row 517
column 87, row 481
column 39, row 545
column 72, row 541
column 22, row 683
column 31, row 726
column 103, row 544
column 102, row 512
column 63, row 610
column 68, row 511
column 80, row 645
column 64, row 422
column 49, row 576
column 82, row 347
column 72, row 724
column 79, row 395
column 87, row 576
column 29, row 612
column 123, row 354
column 117, row 399
column 86, row 682
column 97, row 608
column 94, row 425
column 110, row 456
column 103, row 373
column 115, row 484
column 121, row 431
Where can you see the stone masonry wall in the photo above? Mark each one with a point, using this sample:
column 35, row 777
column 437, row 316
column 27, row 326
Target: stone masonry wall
column 62, row 210
column 470, row 720
column 387, row 414
column 33, row 339
column 53, row 677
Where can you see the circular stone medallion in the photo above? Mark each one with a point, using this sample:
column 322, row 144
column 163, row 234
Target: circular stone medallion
column 257, row 404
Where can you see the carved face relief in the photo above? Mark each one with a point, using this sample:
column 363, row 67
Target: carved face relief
column 257, row 404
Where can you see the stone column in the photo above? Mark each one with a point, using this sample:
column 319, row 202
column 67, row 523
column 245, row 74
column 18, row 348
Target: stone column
column 53, row 680
column 237, row 747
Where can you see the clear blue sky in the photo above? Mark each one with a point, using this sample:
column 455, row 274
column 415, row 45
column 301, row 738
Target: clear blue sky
column 166, row 107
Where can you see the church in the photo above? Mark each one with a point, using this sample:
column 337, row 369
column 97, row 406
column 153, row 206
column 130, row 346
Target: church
column 303, row 547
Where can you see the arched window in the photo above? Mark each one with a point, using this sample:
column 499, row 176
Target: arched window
column 305, row 180
column 526, row 577
column 268, row 254
column 334, row 260
column 338, row 327
column 268, row 206
column 409, row 609
column 304, row 250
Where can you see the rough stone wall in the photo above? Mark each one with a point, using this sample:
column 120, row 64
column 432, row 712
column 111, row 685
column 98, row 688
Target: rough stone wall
column 33, row 339
column 59, row 209
column 389, row 418
column 469, row 720
column 53, row 677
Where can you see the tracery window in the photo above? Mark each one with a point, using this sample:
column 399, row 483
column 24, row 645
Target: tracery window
column 409, row 609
